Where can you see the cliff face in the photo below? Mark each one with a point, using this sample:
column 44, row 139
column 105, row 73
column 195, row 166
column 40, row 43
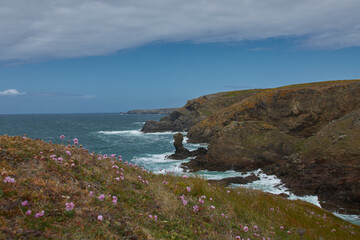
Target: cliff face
column 196, row 110
column 306, row 134
column 299, row 110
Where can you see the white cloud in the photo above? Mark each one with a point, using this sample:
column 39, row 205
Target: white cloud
column 11, row 92
column 41, row 29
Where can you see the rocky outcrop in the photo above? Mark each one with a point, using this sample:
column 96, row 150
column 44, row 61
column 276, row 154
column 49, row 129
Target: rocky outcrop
column 181, row 152
column 300, row 110
column 195, row 111
column 328, row 165
column 308, row 135
column 237, row 180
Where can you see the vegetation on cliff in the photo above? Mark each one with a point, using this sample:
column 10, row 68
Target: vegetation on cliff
column 50, row 191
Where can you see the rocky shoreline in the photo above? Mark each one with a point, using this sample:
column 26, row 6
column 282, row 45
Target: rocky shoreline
column 308, row 135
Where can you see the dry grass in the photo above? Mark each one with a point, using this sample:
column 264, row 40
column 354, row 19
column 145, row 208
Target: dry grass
column 47, row 185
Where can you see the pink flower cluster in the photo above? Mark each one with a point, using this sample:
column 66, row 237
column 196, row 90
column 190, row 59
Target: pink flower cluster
column 153, row 217
column 9, row 180
column 114, row 200
column 40, row 214
column 184, row 202
column 69, row 206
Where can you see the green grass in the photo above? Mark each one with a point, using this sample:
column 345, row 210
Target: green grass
column 47, row 185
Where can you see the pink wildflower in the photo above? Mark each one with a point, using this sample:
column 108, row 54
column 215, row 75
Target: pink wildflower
column 72, row 165
column 289, row 232
column 150, row 216
column 115, row 166
column 155, row 218
column 113, row 155
column 68, row 152
column 100, row 217
column 212, row 207
column 91, row 193
column 228, row 191
column 246, row 229
column 60, row 159
column 188, row 189
column 333, row 230
column 201, row 201
column 69, row 206
column 40, row 214
column 62, row 137
column 101, row 197
column 195, row 208
column 184, row 202
column 28, row 212
column 24, row 203
column 281, row 227
column 255, row 227
column 117, row 179
column 9, row 180
column 238, row 238
column 114, row 200
column 185, row 176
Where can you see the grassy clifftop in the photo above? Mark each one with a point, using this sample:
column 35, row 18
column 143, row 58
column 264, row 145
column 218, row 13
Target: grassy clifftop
column 50, row 191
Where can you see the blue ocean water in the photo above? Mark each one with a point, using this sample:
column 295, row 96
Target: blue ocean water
column 115, row 133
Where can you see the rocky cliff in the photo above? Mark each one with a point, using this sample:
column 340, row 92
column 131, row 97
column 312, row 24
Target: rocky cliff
column 196, row 110
column 306, row 134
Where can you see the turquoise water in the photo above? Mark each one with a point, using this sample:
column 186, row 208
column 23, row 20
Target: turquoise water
column 120, row 134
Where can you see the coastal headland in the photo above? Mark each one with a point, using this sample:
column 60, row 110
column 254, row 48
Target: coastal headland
column 308, row 135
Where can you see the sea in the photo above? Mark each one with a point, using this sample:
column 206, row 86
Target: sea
column 118, row 133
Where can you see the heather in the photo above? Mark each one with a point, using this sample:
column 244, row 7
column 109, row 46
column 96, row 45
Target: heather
column 61, row 191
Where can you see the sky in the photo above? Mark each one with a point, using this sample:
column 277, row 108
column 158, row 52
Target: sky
column 113, row 56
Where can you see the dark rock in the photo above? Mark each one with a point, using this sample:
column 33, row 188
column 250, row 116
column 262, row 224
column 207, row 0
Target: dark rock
column 181, row 152
column 237, row 180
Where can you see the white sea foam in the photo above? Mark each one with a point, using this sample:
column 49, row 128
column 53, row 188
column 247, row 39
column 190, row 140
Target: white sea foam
column 139, row 123
column 133, row 133
column 159, row 164
column 154, row 158
column 308, row 198
column 349, row 217
column 124, row 132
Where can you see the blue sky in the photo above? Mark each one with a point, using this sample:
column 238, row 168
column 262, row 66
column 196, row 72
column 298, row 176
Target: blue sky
column 102, row 64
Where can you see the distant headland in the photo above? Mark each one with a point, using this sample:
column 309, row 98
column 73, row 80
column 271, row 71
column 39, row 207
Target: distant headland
column 152, row 111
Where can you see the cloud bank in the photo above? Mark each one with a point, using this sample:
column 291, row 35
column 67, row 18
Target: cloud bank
column 11, row 92
column 41, row 29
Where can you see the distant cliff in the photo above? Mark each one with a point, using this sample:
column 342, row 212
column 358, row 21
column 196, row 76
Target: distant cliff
column 152, row 111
